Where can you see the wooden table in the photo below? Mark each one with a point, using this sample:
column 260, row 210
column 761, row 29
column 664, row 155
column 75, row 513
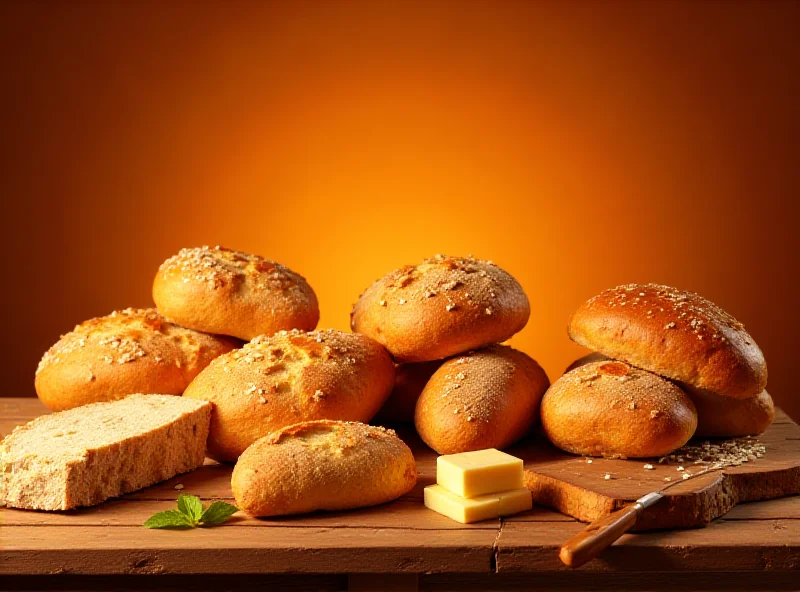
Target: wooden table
column 397, row 546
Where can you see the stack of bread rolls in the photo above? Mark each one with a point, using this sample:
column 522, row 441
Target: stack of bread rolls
column 668, row 364
column 442, row 321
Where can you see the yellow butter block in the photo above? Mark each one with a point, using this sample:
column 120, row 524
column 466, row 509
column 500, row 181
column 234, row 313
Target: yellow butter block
column 466, row 510
column 470, row 474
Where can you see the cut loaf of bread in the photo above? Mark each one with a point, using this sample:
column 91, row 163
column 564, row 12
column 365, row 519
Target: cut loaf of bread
column 85, row 455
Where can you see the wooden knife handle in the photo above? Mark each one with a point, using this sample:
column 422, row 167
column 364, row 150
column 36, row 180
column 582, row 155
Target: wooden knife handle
column 600, row 534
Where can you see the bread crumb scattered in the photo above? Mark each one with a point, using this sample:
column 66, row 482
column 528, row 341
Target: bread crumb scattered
column 649, row 467
column 179, row 486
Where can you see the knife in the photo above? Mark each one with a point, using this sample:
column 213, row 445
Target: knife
column 603, row 532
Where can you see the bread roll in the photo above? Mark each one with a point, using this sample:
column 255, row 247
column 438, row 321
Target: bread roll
column 724, row 417
column 484, row 399
column 322, row 465
column 718, row 416
column 129, row 351
column 287, row 378
column 673, row 333
column 612, row 409
column 441, row 307
column 232, row 293
column 408, row 385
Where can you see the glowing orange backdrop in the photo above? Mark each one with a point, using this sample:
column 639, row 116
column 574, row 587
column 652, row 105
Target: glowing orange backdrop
column 579, row 145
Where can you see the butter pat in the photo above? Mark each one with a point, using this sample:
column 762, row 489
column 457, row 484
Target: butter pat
column 466, row 510
column 470, row 474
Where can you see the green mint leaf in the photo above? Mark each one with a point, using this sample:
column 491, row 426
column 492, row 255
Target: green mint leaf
column 217, row 513
column 190, row 506
column 168, row 519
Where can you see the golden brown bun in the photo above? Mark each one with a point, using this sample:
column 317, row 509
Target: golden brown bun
column 673, row 333
column 322, row 465
column 724, row 417
column 223, row 291
column 408, row 385
column 441, row 307
column 129, row 351
column 612, row 409
column 484, row 399
column 717, row 416
column 290, row 377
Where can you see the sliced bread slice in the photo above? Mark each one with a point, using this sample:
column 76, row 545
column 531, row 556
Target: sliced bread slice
column 85, row 455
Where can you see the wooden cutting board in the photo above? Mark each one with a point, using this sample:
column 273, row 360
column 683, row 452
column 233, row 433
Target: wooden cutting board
column 569, row 484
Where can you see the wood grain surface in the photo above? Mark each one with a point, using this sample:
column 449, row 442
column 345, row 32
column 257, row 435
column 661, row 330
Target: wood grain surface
column 402, row 537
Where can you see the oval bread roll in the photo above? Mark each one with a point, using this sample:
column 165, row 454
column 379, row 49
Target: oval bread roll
column 441, row 307
column 287, row 378
column 717, row 416
column 612, row 409
column 484, row 399
column 322, row 465
column 673, row 333
column 724, row 417
column 408, row 385
column 129, row 351
column 232, row 293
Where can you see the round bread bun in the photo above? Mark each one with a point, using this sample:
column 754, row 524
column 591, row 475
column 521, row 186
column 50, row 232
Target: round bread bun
column 218, row 290
column 442, row 307
column 673, row 333
column 322, row 465
column 614, row 410
column 717, row 416
column 408, row 385
column 723, row 417
column 487, row 398
column 129, row 351
column 287, row 378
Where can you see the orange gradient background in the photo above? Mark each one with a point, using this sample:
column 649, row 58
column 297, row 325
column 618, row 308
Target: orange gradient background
column 578, row 144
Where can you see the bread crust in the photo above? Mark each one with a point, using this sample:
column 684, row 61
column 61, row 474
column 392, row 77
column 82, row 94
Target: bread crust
column 291, row 377
column 677, row 334
column 717, row 416
column 218, row 290
column 322, row 465
column 724, row 417
column 129, row 351
column 409, row 382
column 612, row 409
column 487, row 398
column 442, row 307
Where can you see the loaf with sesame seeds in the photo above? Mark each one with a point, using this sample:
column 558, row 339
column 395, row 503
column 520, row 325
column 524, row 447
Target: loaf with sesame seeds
column 128, row 351
column 291, row 377
column 614, row 410
column 408, row 385
column 322, row 465
column 717, row 416
column 487, row 398
column 677, row 334
column 442, row 307
column 83, row 456
column 219, row 290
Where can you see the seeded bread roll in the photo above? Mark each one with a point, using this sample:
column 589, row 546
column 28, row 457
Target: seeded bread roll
column 287, row 378
column 484, row 399
column 614, row 410
column 717, row 416
column 408, row 385
column 83, row 456
column 232, row 293
column 673, row 333
column 724, row 417
column 322, row 465
column 128, row 351
column 441, row 307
